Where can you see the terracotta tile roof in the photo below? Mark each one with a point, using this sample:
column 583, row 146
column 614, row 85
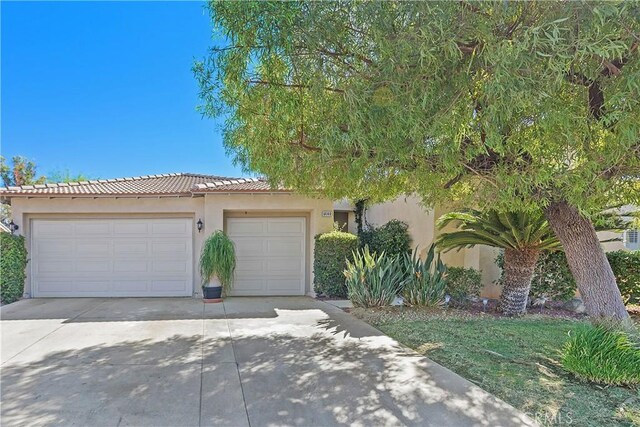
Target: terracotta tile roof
column 164, row 184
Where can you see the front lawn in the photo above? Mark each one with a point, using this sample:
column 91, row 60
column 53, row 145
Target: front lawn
column 515, row 359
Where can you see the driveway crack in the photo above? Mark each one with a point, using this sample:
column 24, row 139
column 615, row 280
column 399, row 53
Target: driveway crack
column 233, row 349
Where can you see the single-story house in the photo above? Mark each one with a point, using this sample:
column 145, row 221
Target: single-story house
column 142, row 236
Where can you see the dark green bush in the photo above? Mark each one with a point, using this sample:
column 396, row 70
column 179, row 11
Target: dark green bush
column 13, row 261
column 392, row 238
column 551, row 277
column 602, row 355
column 626, row 268
column 331, row 252
column 463, row 284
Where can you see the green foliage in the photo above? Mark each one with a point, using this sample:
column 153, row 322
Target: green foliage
column 391, row 238
column 426, row 279
column 603, row 355
column 463, row 284
column 551, row 277
column 12, row 267
column 332, row 250
column 486, row 103
column 626, row 268
column 22, row 171
column 373, row 280
column 218, row 258
column 517, row 230
column 65, row 175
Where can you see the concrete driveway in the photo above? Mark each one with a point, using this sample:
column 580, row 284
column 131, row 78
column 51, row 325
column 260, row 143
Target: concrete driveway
column 249, row 361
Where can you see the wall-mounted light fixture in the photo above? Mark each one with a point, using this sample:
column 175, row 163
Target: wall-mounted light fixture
column 199, row 225
column 13, row 227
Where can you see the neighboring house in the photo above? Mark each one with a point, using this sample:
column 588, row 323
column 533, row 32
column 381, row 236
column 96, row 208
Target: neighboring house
column 139, row 236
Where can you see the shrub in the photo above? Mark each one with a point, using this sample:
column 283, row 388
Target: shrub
column 391, row 238
column 12, row 267
column 425, row 280
column 551, row 277
column 602, row 355
column 462, row 285
column 626, row 268
column 373, row 280
column 330, row 259
column 218, row 259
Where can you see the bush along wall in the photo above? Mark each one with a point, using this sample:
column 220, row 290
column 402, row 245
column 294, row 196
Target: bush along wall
column 551, row 277
column 332, row 250
column 626, row 268
column 12, row 267
column 392, row 238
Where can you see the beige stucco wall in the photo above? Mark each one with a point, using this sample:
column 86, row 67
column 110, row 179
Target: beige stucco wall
column 409, row 210
column 210, row 208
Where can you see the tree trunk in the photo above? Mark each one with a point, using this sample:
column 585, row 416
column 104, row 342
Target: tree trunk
column 518, row 272
column 587, row 261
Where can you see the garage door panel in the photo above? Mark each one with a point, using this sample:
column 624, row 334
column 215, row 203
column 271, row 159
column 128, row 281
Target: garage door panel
column 54, row 246
column 129, row 286
column 120, row 266
column 93, row 248
column 247, row 227
column 285, row 226
column 166, row 286
column 112, row 257
column 86, row 266
column 92, row 229
column 270, row 255
column 285, row 246
column 175, row 248
column 283, row 265
column 248, row 247
column 130, row 248
column 282, row 285
column 130, row 228
column 168, row 228
column 53, row 228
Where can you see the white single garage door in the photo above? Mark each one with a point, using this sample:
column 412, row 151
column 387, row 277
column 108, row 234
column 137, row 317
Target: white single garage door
column 270, row 255
column 112, row 257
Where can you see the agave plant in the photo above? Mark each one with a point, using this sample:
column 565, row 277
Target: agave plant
column 218, row 260
column 522, row 235
column 373, row 280
column 425, row 282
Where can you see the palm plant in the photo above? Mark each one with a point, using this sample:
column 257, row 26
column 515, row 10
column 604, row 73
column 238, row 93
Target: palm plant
column 522, row 235
column 218, row 261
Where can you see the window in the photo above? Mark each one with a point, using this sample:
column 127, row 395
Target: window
column 631, row 240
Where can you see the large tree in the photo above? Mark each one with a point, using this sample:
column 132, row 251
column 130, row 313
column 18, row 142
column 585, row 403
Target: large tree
column 512, row 105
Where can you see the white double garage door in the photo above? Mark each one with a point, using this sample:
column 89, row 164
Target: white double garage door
column 120, row 257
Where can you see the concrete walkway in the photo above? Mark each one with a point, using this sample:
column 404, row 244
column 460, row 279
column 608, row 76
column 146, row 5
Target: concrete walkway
column 249, row 361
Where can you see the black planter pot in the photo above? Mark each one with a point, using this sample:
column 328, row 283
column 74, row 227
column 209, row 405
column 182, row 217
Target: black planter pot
column 210, row 292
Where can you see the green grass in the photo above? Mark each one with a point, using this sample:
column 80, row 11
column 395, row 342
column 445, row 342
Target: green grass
column 518, row 360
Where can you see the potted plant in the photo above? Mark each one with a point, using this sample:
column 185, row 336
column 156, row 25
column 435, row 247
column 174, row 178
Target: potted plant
column 217, row 265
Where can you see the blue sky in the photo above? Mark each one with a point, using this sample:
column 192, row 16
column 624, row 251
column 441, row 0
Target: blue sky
column 106, row 89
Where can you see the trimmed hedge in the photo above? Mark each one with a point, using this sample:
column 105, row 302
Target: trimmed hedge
column 626, row 268
column 551, row 277
column 332, row 250
column 13, row 261
column 392, row 238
